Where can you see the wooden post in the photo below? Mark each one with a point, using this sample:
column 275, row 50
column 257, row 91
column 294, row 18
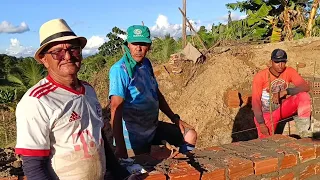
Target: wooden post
column 193, row 30
column 184, row 24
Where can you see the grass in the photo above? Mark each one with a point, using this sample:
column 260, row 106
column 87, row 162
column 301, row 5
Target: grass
column 7, row 128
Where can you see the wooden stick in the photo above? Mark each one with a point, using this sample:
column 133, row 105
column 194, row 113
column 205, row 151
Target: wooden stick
column 270, row 103
column 193, row 30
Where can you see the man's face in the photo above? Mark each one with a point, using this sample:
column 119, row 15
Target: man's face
column 138, row 50
column 63, row 58
column 278, row 66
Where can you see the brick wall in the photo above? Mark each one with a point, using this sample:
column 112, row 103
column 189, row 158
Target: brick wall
column 275, row 158
column 278, row 157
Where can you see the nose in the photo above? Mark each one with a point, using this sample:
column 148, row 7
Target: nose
column 138, row 47
column 282, row 64
column 67, row 55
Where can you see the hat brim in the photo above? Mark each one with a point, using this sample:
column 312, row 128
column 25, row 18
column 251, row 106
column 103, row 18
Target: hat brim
column 136, row 40
column 83, row 42
column 279, row 60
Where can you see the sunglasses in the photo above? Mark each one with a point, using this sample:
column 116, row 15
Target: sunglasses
column 74, row 51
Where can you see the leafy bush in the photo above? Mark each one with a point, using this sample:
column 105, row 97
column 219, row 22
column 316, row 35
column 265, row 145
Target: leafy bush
column 7, row 96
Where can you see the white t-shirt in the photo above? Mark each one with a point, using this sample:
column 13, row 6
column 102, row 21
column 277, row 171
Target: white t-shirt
column 56, row 121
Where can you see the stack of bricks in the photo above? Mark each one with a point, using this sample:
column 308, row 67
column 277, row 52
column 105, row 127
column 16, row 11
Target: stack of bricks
column 278, row 157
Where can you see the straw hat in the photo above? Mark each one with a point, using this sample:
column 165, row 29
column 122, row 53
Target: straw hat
column 56, row 30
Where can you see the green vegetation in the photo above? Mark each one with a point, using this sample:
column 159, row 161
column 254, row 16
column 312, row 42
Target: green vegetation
column 267, row 20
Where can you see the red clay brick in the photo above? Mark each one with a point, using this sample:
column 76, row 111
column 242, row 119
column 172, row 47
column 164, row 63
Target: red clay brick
column 265, row 165
column 233, row 99
column 156, row 175
column 239, row 167
column 305, row 152
column 310, row 141
column 183, row 171
column 263, row 161
column 308, row 172
column 289, row 159
column 212, row 172
column 289, row 176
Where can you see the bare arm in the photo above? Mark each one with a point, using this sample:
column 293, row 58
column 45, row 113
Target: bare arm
column 116, row 125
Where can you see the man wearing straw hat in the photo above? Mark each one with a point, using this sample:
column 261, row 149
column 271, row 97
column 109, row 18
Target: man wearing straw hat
column 59, row 120
column 273, row 100
column 136, row 101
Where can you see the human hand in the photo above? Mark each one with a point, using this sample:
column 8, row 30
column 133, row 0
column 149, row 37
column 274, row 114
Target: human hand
column 264, row 129
column 276, row 97
column 182, row 125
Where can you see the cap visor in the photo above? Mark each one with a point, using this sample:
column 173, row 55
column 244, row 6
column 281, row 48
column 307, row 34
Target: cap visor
column 279, row 60
column 144, row 40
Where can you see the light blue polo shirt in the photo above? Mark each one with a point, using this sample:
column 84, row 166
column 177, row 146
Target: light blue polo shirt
column 141, row 105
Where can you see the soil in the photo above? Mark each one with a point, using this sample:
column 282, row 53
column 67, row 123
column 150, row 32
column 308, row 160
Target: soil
column 10, row 164
column 201, row 103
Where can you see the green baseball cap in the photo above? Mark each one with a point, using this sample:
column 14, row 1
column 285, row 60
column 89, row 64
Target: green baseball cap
column 138, row 33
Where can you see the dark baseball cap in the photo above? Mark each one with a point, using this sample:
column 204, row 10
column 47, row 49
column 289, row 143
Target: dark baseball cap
column 279, row 55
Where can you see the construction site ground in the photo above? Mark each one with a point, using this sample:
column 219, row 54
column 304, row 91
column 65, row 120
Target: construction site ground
column 198, row 93
column 203, row 102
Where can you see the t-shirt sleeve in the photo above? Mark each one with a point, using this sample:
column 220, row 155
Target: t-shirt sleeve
column 33, row 127
column 295, row 78
column 119, row 81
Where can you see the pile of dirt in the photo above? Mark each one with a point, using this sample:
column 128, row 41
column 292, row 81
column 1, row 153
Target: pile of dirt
column 201, row 103
column 10, row 163
column 197, row 94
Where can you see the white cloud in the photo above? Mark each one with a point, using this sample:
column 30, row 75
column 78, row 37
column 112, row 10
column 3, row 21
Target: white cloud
column 18, row 50
column 7, row 27
column 234, row 17
column 93, row 44
column 163, row 27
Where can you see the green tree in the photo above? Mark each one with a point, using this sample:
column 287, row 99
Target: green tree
column 29, row 73
column 113, row 45
column 289, row 13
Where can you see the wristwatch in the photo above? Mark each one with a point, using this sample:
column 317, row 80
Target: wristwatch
column 175, row 118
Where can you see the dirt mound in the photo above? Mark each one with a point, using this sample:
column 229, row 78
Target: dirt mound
column 202, row 104
column 197, row 93
column 10, row 163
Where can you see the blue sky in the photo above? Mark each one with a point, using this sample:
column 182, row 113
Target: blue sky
column 20, row 20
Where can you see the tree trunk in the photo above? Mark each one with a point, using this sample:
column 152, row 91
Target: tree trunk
column 287, row 24
column 313, row 12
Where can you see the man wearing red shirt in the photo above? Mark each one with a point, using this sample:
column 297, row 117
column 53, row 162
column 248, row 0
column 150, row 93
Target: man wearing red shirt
column 271, row 85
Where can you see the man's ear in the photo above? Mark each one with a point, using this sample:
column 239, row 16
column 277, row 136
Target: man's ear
column 44, row 60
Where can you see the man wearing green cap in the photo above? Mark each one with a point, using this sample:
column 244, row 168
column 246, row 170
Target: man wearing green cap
column 136, row 100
